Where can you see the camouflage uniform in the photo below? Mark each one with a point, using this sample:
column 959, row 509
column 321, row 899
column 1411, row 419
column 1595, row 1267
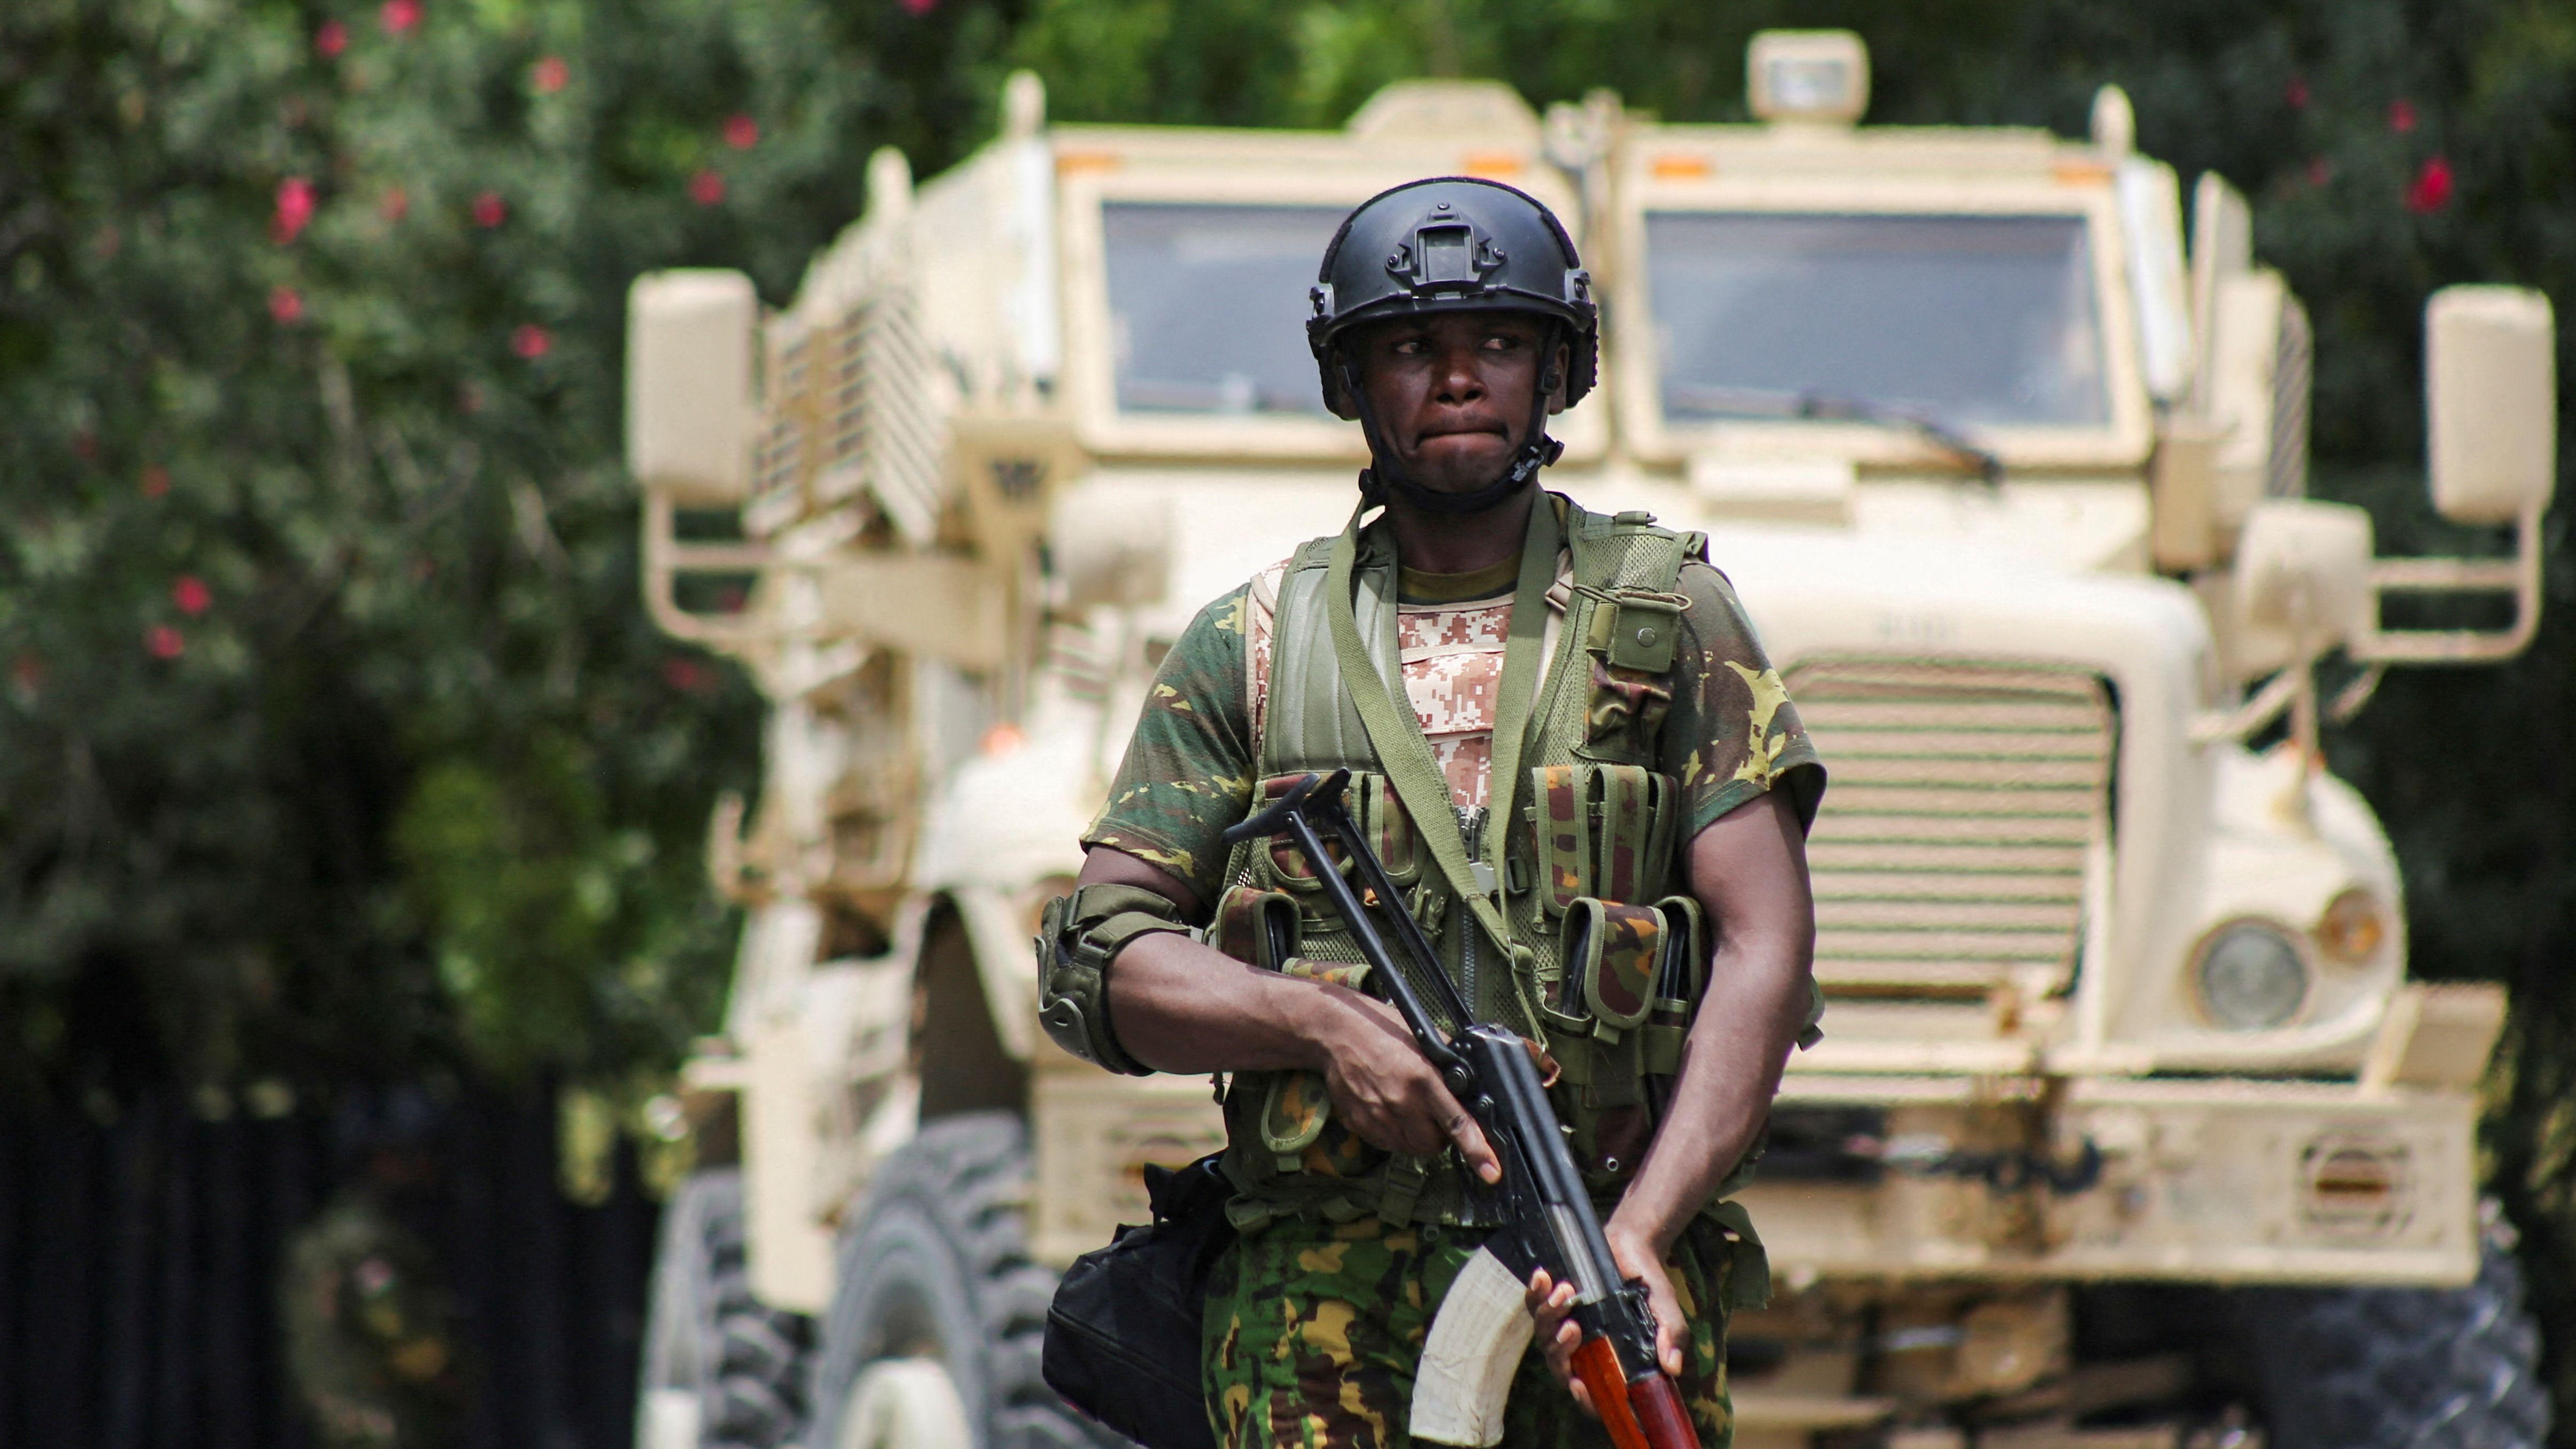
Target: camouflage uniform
column 1317, row 1319
column 1313, row 1330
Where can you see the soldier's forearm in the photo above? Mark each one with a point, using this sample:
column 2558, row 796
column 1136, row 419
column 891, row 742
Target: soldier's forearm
column 1749, row 871
column 1731, row 1063
column 1179, row 1006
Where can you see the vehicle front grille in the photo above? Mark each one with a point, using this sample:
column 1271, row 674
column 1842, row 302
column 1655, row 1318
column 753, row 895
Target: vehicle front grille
column 1950, row 854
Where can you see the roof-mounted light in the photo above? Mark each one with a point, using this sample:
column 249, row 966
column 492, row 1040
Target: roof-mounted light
column 1808, row 75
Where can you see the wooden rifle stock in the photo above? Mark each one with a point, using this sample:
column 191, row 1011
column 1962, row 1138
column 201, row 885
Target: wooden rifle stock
column 1641, row 1413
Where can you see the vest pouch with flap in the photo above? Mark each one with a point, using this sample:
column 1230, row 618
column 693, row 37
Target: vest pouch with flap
column 1295, row 1107
column 1677, row 984
column 1564, row 830
column 1382, row 821
column 1601, row 830
column 1630, row 641
column 1612, row 952
column 1255, row 925
column 1632, row 831
column 1296, row 1126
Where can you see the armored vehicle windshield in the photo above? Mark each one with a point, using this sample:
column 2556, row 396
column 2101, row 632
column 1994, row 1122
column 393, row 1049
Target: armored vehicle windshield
column 1979, row 320
column 1207, row 304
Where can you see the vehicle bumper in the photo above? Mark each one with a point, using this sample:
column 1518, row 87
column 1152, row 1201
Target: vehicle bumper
column 2203, row 1180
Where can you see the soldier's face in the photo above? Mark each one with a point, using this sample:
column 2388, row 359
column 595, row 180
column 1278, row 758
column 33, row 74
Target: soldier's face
column 1452, row 392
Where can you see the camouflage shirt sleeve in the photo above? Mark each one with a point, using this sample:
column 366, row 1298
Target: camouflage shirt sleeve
column 1188, row 770
column 1733, row 733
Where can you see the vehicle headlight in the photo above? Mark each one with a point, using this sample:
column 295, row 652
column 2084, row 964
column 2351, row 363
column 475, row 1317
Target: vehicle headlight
column 2250, row 975
column 2353, row 927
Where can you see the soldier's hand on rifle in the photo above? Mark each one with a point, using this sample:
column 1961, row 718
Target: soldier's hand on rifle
column 1552, row 1304
column 1387, row 1092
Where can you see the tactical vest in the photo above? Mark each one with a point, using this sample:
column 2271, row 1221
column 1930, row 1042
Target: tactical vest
column 1591, row 890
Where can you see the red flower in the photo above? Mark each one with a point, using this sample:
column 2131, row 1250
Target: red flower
column 550, row 74
column 2401, row 116
column 2296, row 93
column 685, row 675
column 2320, row 171
column 330, row 39
column 191, row 595
column 286, row 305
column 399, row 16
column 165, row 642
column 294, row 209
column 156, row 480
column 706, row 188
column 530, row 341
column 741, row 132
column 918, row 7
column 490, row 210
column 394, row 205
column 2432, row 188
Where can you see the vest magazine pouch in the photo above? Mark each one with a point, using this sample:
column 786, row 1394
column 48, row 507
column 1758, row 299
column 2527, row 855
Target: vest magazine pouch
column 1255, row 925
column 1294, row 1110
column 1287, row 863
column 1612, row 953
column 1629, row 808
column 1353, row 974
column 1388, row 829
column 1601, row 830
column 1382, row 821
column 1562, row 817
column 1684, row 972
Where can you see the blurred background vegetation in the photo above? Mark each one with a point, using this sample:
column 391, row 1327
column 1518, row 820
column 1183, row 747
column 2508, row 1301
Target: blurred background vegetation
column 334, row 743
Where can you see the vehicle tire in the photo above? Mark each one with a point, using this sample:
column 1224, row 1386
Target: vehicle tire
column 2400, row 1368
column 721, row 1370
column 935, row 1286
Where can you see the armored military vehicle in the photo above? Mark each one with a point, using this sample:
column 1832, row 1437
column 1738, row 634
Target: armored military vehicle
column 2128, row 1127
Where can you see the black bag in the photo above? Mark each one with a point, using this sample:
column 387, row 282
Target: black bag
column 1122, row 1337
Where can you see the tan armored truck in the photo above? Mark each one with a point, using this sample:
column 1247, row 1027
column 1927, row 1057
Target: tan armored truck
column 2127, row 1129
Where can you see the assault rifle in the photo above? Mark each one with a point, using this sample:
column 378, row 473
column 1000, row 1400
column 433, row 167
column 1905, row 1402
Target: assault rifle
column 1548, row 1217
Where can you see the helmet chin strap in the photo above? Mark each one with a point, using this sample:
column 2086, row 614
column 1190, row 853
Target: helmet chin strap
column 1384, row 479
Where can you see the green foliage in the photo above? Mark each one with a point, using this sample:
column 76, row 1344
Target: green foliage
column 333, row 740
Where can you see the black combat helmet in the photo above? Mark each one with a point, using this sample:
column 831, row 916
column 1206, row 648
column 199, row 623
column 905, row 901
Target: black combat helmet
column 1453, row 244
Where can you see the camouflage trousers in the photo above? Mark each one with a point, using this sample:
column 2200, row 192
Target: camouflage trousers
column 1313, row 1330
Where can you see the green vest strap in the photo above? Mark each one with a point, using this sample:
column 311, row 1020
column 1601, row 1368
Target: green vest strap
column 1396, row 734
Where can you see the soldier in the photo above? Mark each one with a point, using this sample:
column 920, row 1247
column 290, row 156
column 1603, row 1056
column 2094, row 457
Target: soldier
column 1595, row 761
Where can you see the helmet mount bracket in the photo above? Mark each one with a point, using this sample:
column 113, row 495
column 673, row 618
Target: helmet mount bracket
column 1445, row 253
